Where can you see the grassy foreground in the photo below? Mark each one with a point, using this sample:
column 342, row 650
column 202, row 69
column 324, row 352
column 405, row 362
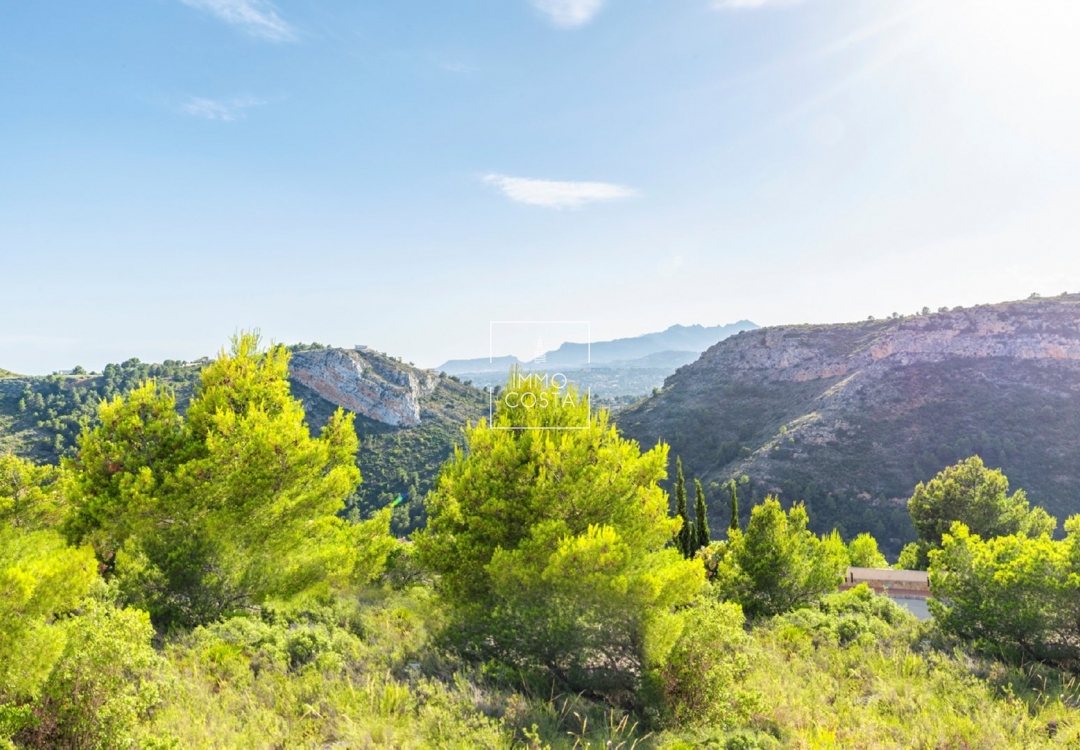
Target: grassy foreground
column 365, row 672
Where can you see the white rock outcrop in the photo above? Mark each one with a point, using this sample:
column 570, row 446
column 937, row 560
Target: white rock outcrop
column 366, row 383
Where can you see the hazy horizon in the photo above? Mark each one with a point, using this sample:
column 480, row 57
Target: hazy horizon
column 496, row 352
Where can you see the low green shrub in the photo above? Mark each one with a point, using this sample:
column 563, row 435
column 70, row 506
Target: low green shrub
column 702, row 680
column 104, row 685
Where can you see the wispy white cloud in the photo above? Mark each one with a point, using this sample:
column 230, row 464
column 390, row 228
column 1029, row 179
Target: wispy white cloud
column 569, row 13
column 750, row 4
column 456, row 67
column 555, row 194
column 255, row 17
column 217, row 109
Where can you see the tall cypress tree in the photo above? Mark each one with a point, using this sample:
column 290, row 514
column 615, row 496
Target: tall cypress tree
column 734, row 524
column 701, row 519
column 683, row 540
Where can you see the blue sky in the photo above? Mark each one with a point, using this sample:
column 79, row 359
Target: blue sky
column 401, row 173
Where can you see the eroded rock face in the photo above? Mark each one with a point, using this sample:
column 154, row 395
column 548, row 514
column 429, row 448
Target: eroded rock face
column 855, row 362
column 368, row 384
column 1029, row 330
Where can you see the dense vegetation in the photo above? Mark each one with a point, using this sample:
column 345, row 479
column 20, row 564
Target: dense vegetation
column 975, row 496
column 185, row 580
column 1000, row 579
column 45, row 416
column 42, row 417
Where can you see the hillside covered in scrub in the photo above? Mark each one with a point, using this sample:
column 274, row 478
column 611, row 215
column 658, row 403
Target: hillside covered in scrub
column 850, row 417
column 407, row 419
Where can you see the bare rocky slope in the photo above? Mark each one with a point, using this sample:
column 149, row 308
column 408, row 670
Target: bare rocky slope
column 370, row 385
column 850, row 417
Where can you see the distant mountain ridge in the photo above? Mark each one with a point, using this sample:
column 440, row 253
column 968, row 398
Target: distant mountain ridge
column 480, row 364
column 850, row 417
column 622, row 352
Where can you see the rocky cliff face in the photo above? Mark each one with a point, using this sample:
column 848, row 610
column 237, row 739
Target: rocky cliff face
column 851, row 417
column 1029, row 330
column 368, row 384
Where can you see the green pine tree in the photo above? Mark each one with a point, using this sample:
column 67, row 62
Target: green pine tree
column 552, row 550
column 683, row 541
column 734, row 523
column 701, row 520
